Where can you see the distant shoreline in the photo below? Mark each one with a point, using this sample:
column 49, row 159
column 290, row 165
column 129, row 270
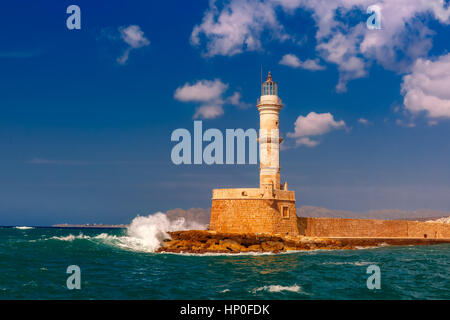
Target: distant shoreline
column 91, row 226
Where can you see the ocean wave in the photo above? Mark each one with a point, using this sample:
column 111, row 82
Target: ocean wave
column 278, row 288
column 441, row 220
column 23, row 228
column 70, row 237
column 144, row 234
column 148, row 233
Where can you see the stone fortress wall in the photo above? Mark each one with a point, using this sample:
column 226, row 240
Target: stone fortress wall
column 254, row 210
column 358, row 228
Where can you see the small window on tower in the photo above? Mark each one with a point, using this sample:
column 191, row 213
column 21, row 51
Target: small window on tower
column 285, row 212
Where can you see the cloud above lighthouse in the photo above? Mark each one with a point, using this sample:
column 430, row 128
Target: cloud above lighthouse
column 210, row 95
column 308, row 127
column 341, row 36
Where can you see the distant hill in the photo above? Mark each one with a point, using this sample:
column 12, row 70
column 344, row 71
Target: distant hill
column 202, row 216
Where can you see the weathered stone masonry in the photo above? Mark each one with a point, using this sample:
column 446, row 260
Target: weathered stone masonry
column 253, row 212
column 337, row 227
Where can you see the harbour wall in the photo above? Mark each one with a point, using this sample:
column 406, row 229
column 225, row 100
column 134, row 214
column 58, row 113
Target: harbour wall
column 337, row 227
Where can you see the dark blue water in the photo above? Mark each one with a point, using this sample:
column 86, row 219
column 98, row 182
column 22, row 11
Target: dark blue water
column 33, row 265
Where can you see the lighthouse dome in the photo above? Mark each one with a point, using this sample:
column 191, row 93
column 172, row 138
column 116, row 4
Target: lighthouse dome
column 269, row 87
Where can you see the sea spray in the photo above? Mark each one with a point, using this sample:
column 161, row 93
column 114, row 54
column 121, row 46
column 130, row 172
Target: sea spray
column 148, row 233
column 145, row 233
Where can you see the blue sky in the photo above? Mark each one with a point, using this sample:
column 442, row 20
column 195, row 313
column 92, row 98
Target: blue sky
column 85, row 131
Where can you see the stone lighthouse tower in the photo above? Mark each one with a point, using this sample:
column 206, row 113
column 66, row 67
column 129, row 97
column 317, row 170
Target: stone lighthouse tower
column 269, row 106
column 269, row 209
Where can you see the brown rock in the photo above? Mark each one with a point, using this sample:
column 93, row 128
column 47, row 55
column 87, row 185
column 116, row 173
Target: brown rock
column 204, row 241
column 232, row 245
column 254, row 248
column 272, row 246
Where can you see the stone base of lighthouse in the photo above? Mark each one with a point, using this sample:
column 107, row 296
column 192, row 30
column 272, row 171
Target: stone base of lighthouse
column 254, row 210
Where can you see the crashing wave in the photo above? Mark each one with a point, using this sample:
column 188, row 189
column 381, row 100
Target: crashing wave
column 148, row 233
column 441, row 220
column 144, row 234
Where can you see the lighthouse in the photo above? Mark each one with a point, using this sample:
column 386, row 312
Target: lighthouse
column 269, row 106
column 269, row 209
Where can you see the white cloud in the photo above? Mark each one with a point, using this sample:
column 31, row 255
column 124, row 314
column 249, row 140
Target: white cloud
column 312, row 65
column 364, row 121
column 307, row 142
column 314, row 124
column 236, row 100
column 402, row 39
column 340, row 49
column 209, row 111
column 210, row 95
column 427, row 88
column 134, row 37
column 201, row 91
column 240, row 25
column 291, row 60
column 237, row 27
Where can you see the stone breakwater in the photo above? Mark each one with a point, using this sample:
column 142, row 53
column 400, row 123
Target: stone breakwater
column 196, row 241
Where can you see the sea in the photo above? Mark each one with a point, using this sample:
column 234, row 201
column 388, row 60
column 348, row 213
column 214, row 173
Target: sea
column 122, row 264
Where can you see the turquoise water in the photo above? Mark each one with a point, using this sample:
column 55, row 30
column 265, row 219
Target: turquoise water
column 33, row 265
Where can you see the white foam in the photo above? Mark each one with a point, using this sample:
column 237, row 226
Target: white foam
column 278, row 288
column 71, row 237
column 23, row 228
column 145, row 234
column 441, row 220
column 148, row 233
column 218, row 254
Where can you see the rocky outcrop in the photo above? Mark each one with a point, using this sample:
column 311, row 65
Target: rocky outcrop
column 198, row 241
